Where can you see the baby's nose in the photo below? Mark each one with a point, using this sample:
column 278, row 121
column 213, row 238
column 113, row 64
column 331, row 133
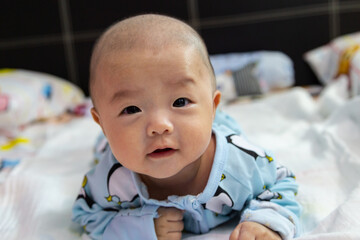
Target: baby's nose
column 159, row 124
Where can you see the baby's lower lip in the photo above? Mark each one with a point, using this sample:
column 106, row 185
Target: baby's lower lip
column 160, row 153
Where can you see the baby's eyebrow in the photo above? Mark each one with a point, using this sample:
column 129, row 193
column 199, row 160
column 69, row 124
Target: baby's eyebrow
column 183, row 82
column 123, row 93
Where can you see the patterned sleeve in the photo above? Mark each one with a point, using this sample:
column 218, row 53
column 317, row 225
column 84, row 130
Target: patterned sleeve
column 271, row 190
column 101, row 223
column 108, row 205
column 276, row 206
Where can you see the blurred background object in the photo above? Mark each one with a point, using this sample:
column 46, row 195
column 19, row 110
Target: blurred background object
column 57, row 36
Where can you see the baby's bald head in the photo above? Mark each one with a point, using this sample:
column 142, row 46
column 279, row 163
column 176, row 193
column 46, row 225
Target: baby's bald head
column 148, row 31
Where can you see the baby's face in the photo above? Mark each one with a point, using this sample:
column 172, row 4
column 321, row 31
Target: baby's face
column 155, row 108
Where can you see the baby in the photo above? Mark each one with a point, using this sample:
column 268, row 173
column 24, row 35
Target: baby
column 166, row 165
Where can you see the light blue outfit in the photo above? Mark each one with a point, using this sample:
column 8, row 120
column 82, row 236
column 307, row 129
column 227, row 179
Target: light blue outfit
column 114, row 204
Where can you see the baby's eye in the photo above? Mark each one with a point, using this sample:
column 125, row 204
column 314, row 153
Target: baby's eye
column 181, row 102
column 130, row 110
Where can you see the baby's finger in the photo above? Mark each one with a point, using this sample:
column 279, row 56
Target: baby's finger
column 174, row 236
column 175, row 226
column 246, row 235
column 241, row 233
column 235, row 234
column 172, row 214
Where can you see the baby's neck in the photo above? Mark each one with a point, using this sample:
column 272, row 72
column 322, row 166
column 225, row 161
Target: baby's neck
column 191, row 180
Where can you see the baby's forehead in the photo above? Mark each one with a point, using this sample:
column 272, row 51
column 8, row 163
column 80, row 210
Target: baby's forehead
column 176, row 61
column 177, row 57
column 148, row 32
column 173, row 65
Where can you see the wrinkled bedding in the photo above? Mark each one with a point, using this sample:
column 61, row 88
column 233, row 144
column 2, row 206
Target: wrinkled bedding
column 322, row 149
column 321, row 145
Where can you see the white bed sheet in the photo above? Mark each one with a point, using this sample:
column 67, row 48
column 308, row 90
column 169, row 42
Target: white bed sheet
column 321, row 147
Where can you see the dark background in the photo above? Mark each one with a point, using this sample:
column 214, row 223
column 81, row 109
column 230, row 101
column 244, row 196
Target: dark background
column 56, row 36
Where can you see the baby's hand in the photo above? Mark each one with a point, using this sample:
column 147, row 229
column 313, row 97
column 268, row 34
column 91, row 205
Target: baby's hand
column 253, row 230
column 169, row 224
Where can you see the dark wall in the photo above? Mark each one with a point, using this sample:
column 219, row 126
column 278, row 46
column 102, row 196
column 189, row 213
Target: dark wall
column 56, row 36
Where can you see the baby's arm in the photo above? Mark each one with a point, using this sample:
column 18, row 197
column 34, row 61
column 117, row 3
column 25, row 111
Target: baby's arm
column 102, row 223
column 169, row 224
column 276, row 207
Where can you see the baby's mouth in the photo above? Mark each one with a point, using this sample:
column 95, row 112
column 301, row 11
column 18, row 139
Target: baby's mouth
column 162, row 152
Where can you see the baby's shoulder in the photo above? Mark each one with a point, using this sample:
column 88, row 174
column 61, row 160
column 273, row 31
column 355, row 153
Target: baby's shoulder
column 241, row 154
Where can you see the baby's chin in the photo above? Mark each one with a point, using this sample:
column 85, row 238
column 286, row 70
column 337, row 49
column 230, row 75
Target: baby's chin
column 164, row 175
column 168, row 174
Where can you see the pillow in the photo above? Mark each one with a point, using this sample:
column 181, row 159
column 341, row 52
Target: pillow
column 340, row 57
column 26, row 96
column 252, row 73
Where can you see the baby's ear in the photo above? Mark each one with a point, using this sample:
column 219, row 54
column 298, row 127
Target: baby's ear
column 95, row 115
column 216, row 99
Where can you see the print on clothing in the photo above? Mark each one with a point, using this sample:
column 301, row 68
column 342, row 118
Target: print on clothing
column 283, row 172
column 116, row 192
column 83, row 195
column 267, row 195
column 220, row 199
column 222, row 177
column 241, row 143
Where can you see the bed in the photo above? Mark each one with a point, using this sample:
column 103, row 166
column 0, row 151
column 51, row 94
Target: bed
column 316, row 134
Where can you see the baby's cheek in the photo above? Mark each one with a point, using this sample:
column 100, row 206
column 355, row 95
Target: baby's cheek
column 199, row 139
column 124, row 149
